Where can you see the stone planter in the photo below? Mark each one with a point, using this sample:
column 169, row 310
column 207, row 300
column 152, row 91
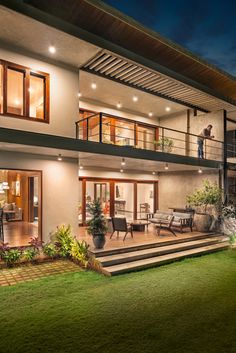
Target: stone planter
column 99, row 241
column 202, row 222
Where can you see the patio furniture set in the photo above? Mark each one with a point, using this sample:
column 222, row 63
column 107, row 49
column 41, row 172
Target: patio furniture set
column 169, row 221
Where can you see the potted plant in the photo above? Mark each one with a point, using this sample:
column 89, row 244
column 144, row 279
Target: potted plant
column 206, row 199
column 97, row 225
column 164, row 144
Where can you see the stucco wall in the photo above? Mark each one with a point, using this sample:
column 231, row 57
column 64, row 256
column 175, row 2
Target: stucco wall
column 174, row 187
column 64, row 87
column 60, row 187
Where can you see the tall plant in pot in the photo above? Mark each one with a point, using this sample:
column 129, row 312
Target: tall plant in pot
column 207, row 201
column 97, row 225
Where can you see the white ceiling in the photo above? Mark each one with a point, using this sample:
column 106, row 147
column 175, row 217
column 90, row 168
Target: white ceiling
column 35, row 37
column 110, row 93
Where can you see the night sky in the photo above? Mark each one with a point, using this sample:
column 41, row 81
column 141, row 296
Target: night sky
column 205, row 27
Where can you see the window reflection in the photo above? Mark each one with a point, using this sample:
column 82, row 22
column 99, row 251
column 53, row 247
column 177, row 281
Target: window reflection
column 37, row 96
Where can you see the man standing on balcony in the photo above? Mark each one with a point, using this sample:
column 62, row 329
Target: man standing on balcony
column 205, row 134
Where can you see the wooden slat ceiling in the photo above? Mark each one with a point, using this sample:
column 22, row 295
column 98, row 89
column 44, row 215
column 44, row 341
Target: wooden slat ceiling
column 121, row 70
column 100, row 19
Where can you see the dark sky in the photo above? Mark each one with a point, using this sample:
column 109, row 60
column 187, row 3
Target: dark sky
column 205, row 27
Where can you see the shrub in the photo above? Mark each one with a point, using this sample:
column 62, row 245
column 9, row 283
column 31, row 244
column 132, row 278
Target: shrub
column 50, row 250
column 30, row 254
column 10, row 255
column 79, row 252
column 63, row 240
column 97, row 224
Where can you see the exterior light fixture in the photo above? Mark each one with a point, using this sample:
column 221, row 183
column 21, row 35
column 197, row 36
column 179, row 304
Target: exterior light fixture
column 118, row 105
column 79, row 94
column 167, row 109
column 200, row 170
column 123, row 161
column 59, row 158
column 52, row 49
column 166, row 166
column 135, row 98
column 121, row 170
column 153, row 173
column 81, row 167
column 93, row 85
column 150, row 114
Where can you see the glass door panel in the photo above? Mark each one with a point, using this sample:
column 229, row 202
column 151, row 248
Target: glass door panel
column 98, row 191
column 145, row 199
column 124, row 196
column 93, row 128
column 145, row 137
column 124, row 133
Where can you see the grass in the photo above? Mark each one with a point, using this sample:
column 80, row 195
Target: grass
column 185, row 307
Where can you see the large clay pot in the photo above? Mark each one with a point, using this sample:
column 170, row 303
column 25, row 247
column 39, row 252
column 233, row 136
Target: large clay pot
column 202, row 222
column 99, row 241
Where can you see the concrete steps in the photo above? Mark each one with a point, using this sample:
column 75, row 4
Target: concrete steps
column 118, row 261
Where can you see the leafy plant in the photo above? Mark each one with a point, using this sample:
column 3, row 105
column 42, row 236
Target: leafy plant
column 36, row 243
column 208, row 195
column 63, row 240
column 97, row 224
column 80, row 253
column 232, row 238
column 10, row 255
column 30, row 254
column 50, row 250
column 165, row 144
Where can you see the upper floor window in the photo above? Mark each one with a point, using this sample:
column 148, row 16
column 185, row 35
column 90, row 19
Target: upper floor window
column 24, row 93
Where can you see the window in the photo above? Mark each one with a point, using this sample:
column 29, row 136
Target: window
column 24, row 93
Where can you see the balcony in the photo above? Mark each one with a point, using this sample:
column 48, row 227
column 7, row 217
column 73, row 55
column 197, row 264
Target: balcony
column 108, row 129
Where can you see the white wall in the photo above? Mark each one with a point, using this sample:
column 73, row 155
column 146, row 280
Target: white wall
column 64, row 87
column 60, row 188
column 115, row 175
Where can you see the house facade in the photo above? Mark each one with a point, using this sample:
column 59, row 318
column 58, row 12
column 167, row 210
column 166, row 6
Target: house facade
column 94, row 105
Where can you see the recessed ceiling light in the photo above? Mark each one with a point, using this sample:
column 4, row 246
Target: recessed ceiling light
column 200, row 170
column 93, row 85
column 81, row 167
column 153, row 173
column 167, row 109
column 52, row 49
column 59, row 158
column 118, row 105
column 166, row 166
column 79, row 94
column 123, row 161
column 135, row 98
column 121, row 170
column 150, row 114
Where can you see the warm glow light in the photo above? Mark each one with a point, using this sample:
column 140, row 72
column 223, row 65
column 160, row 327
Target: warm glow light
column 200, row 170
column 59, row 158
column 167, row 109
column 118, row 105
column 17, row 102
column 166, row 166
column 135, row 98
column 123, row 161
column 52, row 49
column 93, row 85
column 79, row 94
column 81, row 167
column 153, row 173
column 150, row 114
column 121, row 170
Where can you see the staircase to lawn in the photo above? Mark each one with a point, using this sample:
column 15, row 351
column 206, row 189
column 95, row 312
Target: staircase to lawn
column 137, row 257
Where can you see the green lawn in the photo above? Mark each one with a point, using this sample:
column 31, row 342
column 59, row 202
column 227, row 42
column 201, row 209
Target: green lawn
column 189, row 306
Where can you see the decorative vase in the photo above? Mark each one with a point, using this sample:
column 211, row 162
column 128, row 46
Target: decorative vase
column 202, row 222
column 99, row 241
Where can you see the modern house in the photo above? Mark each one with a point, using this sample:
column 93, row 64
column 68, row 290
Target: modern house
column 95, row 105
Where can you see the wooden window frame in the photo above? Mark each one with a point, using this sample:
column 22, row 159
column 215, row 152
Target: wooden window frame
column 26, row 93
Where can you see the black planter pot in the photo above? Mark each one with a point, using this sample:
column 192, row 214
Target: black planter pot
column 99, row 241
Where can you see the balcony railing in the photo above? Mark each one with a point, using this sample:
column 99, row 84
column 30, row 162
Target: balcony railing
column 105, row 128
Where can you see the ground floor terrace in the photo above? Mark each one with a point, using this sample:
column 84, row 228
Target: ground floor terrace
column 43, row 188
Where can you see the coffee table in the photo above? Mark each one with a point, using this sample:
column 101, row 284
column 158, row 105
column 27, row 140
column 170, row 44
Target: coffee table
column 139, row 225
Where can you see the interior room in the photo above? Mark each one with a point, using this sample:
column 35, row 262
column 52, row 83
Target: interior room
column 20, row 202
